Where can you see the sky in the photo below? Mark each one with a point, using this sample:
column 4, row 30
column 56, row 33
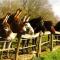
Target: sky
column 55, row 7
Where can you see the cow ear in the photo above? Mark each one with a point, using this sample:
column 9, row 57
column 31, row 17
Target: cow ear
column 20, row 13
column 24, row 19
column 27, row 19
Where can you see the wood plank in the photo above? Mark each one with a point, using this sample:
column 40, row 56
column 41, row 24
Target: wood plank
column 51, row 41
column 56, row 40
column 45, row 43
column 27, row 47
column 7, row 49
column 47, row 33
column 28, row 36
column 57, row 32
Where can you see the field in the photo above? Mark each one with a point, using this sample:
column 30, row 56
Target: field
column 44, row 49
column 54, row 55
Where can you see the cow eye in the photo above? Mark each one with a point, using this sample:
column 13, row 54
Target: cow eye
column 6, row 29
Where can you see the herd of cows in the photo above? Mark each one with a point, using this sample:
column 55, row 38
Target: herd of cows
column 11, row 23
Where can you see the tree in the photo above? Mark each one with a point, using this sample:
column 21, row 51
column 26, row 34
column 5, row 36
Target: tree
column 34, row 8
column 37, row 8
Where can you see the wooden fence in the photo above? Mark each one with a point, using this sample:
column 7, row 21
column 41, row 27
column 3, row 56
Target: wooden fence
column 38, row 37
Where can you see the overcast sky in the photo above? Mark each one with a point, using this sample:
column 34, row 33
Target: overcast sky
column 55, row 6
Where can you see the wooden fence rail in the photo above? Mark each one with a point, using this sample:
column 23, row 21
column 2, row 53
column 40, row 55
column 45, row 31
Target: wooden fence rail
column 38, row 38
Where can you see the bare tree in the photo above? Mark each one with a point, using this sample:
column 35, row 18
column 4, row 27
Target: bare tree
column 34, row 8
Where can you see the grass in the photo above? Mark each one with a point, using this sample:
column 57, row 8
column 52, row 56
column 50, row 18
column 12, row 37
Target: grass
column 47, row 55
column 54, row 55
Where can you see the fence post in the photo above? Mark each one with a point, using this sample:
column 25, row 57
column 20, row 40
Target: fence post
column 48, row 37
column 57, row 39
column 39, row 44
column 51, row 47
column 17, row 49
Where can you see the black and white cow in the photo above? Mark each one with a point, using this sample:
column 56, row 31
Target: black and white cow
column 37, row 24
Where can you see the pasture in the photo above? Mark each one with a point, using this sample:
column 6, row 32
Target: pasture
column 44, row 42
column 54, row 55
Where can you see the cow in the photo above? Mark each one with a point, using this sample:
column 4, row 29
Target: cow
column 5, row 30
column 13, row 21
column 37, row 24
column 19, row 26
column 57, row 26
column 49, row 26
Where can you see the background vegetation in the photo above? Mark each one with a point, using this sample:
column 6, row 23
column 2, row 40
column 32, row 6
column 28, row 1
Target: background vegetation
column 34, row 8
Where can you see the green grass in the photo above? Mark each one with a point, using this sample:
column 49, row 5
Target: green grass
column 44, row 38
column 55, row 55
